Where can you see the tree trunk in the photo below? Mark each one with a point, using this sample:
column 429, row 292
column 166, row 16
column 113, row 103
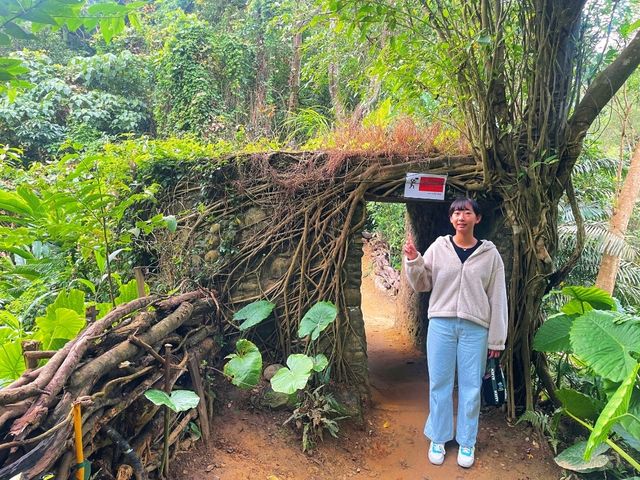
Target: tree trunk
column 260, row 117
column 619, row 221
column 334, row 76
column 294, row 75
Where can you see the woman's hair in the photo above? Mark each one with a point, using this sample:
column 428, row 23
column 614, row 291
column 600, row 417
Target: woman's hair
column 463, row 203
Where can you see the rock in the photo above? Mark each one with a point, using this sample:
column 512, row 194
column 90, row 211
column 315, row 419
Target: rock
column 350, row 402
column 270, row 371
column 275, row 400
column 254, row 215
column 212, row 256
column 278, row 267
column 214, row 241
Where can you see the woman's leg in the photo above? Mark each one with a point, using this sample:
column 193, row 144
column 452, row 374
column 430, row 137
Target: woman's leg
column 472, row 359
column 441, row 361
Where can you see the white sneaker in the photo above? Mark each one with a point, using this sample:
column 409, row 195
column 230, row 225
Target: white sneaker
column 466, row 456
column 436, row 453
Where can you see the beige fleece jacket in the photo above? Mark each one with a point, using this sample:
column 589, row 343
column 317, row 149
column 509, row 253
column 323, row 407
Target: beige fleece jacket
column 474, row 290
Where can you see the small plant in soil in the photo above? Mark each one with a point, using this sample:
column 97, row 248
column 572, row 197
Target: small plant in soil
column 315, row 410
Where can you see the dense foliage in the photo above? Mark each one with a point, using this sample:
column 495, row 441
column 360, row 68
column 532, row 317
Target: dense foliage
column 100, row 97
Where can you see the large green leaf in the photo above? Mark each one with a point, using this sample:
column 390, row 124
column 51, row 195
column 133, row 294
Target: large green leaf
column 629, row 426
column 617, row 406
column 579, row 404
column 13, row 203
column 63, row 324
column 11, row 362
column 320, row 362
column 129, row 291
column 576, row 307
column 573, row 458
column 178, row 401
column 16, row 31
column 317, row 319
column 254, row 313
column 593, row 297
column 28, row 195
column 184, row 400
column 553, row 334
column 605, row 346
column 8, row 318
column 158, row 397
column 290, row 380
column 245, row 366
column 72, row 299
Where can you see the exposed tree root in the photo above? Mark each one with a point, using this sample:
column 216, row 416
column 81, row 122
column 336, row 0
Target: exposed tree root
column 107, row 368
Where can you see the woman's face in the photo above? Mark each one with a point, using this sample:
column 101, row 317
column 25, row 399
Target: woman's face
column 463, row 221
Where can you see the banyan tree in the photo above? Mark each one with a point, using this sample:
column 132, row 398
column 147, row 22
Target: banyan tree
column 529, row 92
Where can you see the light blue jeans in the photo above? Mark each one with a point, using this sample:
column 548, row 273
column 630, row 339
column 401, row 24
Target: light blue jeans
column 451, row 341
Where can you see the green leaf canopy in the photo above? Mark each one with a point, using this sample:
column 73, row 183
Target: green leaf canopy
column 245, row 366
column 317, row 319
column 605, row 346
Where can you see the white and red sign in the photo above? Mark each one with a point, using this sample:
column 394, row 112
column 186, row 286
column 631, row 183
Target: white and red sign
column 425, row 186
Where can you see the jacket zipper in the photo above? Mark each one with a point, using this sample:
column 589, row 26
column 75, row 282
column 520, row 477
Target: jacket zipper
column 461, row 271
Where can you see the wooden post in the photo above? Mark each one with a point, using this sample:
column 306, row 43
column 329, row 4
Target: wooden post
column 31, row 357
column 91, row 314
column 196, row 379
column 164, row 467
column 30, row 346
column 137, row 271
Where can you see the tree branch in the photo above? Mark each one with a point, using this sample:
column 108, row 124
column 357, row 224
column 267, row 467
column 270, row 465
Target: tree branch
column 601, row 90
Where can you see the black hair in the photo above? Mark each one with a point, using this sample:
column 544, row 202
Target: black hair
column 463, row 203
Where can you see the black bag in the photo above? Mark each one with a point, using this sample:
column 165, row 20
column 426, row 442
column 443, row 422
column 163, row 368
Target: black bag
column 494, row 390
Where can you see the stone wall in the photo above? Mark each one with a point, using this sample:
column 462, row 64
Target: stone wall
column 356, row 342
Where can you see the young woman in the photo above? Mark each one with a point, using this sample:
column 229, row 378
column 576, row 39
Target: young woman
column 467, row 323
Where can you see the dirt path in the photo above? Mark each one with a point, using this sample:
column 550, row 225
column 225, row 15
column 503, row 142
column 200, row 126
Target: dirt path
column 252, row 444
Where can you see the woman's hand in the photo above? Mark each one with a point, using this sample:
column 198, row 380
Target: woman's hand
column 410, row 249
column 494, row 353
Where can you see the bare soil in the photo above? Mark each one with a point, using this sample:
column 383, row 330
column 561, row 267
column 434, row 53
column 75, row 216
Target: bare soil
column 389, row 444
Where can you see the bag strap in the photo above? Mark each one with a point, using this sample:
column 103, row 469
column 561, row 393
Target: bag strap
column 494, row 384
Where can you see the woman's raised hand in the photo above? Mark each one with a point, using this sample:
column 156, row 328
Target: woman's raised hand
column 410, row 249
